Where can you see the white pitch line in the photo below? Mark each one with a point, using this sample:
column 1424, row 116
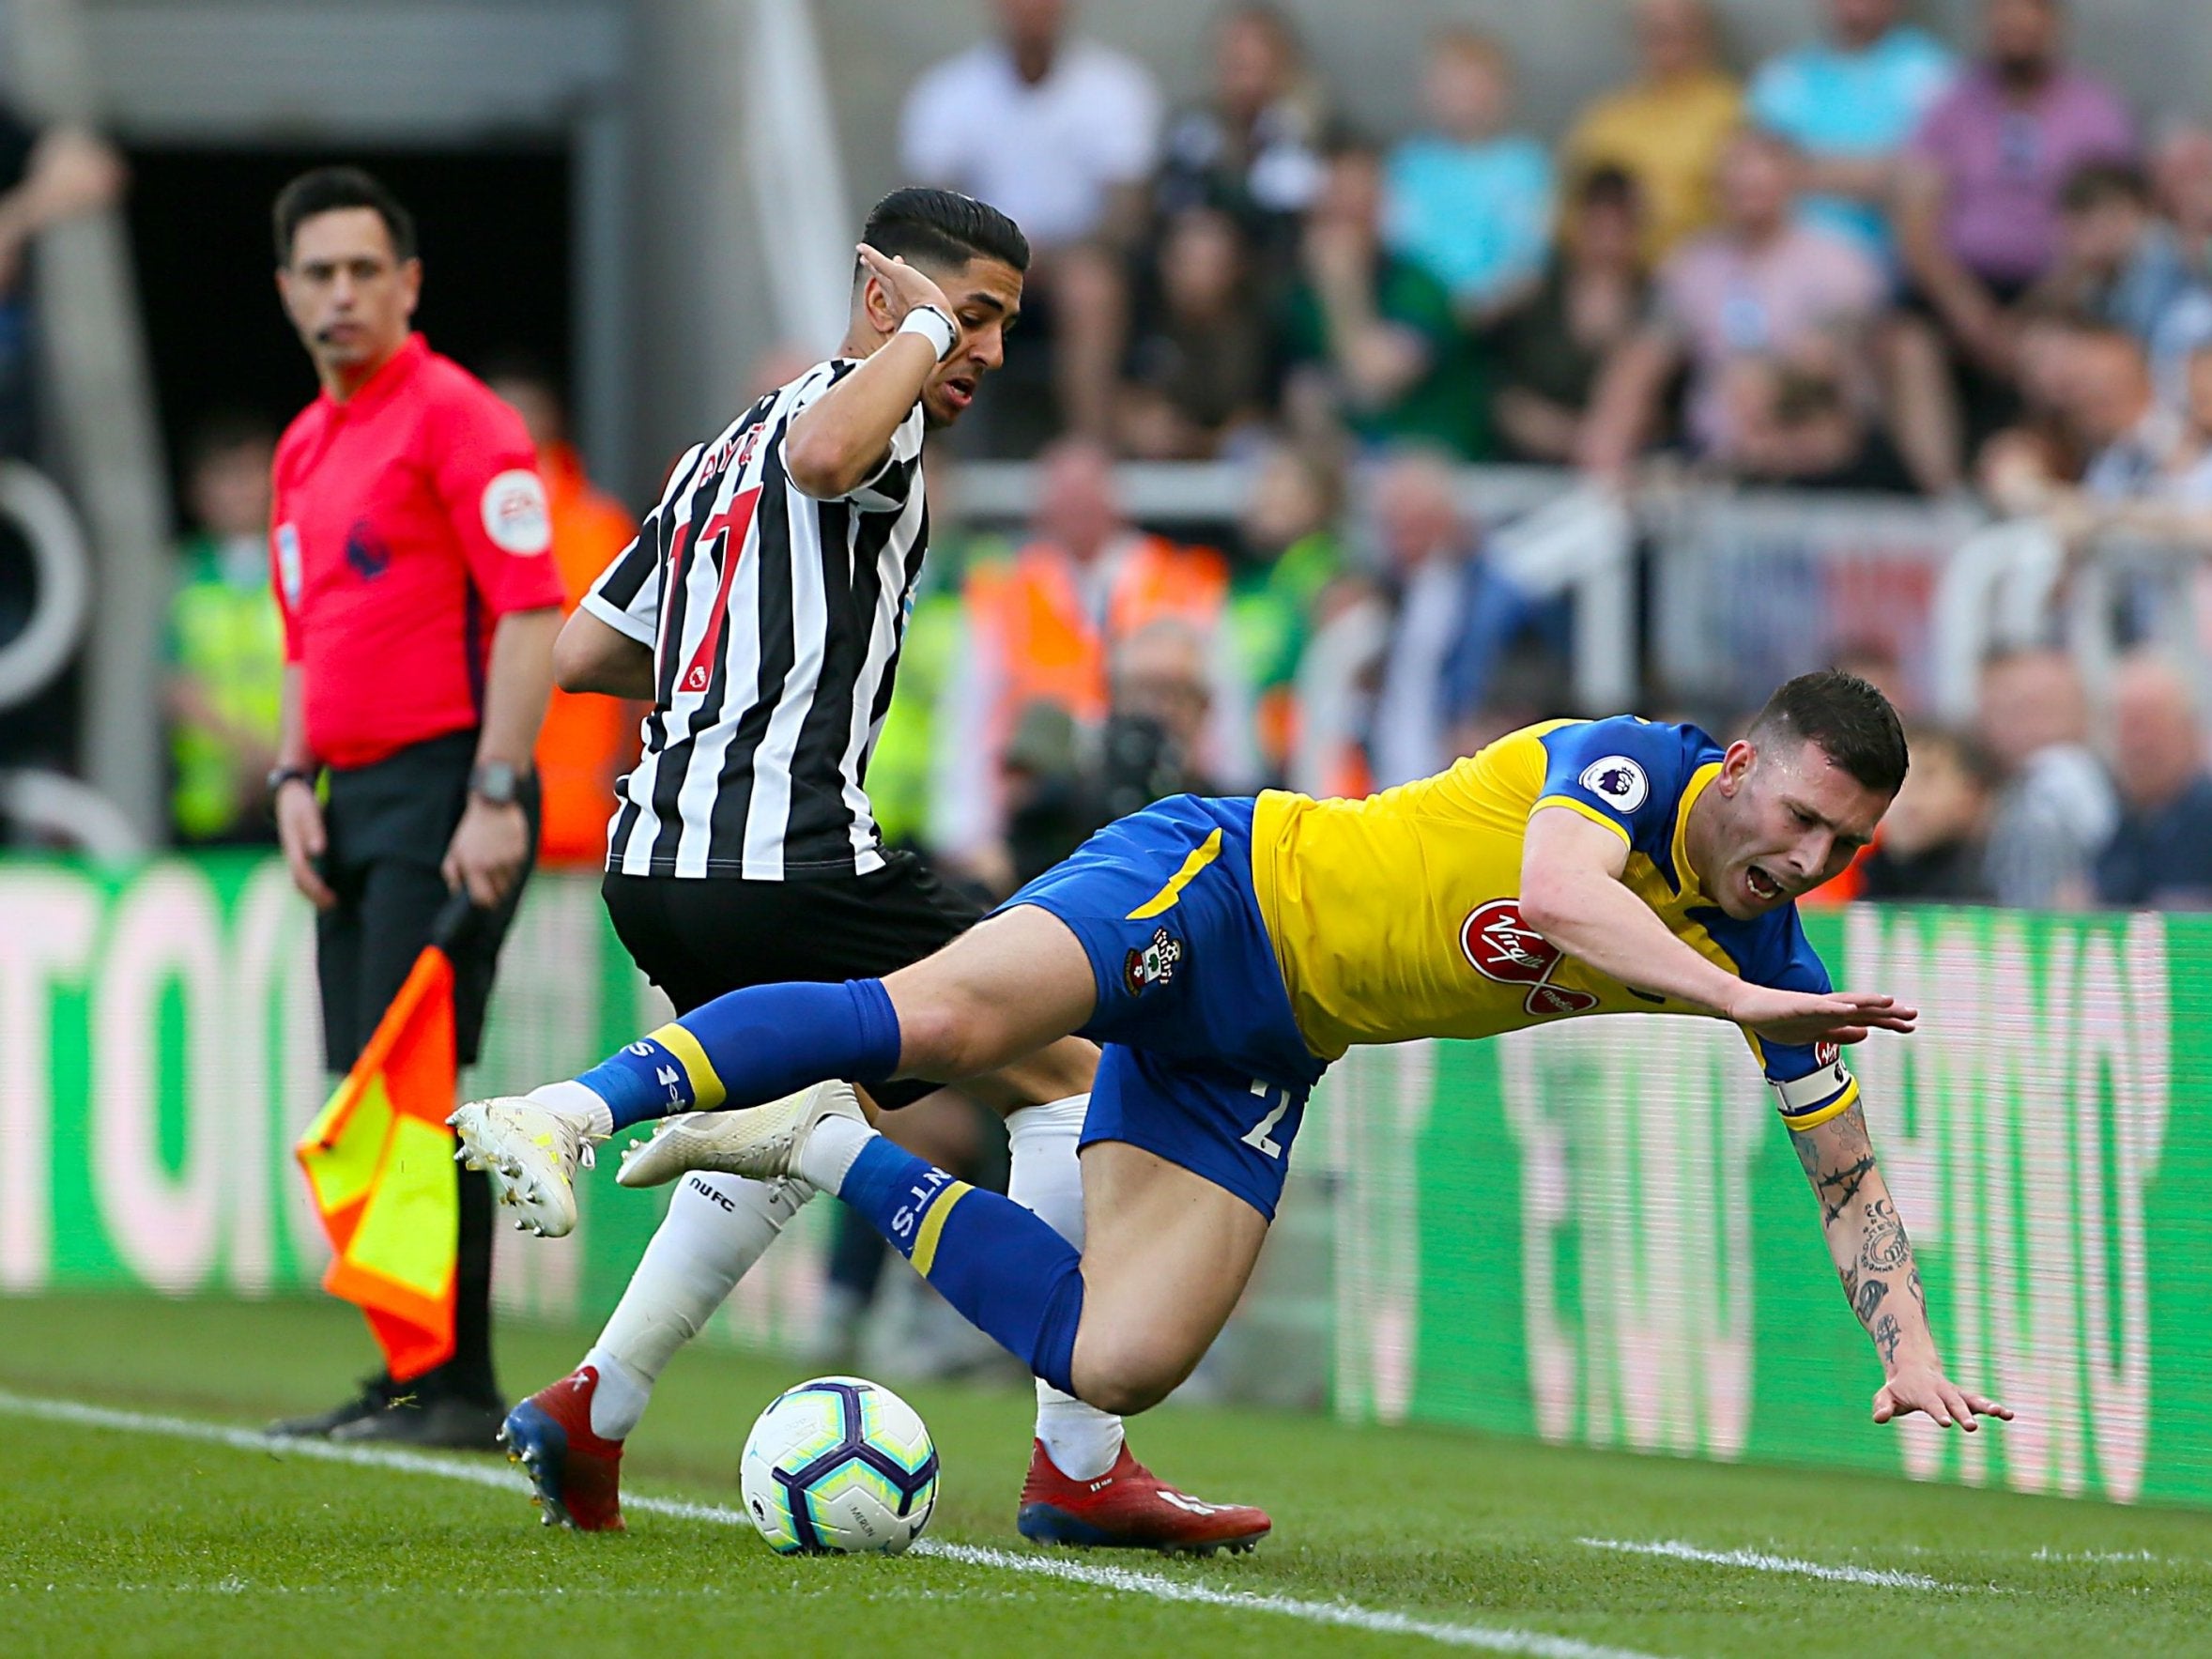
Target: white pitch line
column 1348, row 1615
column 1759, row 1561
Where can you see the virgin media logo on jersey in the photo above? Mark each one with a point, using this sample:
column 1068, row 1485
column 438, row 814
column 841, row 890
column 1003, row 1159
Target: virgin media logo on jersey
column 1501, row 947
column 1505, row 948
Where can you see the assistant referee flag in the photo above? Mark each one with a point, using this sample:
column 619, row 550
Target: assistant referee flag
column 380, row 1161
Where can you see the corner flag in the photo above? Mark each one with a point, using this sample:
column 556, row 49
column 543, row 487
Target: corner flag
column 379, row 1159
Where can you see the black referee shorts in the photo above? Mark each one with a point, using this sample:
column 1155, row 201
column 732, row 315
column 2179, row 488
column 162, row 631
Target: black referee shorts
column 698, row 939
column 388, row 826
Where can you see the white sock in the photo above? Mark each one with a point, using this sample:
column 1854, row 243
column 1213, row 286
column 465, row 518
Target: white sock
column 718, row 1226
column 831, row 1147
column 1082, row 1440
column 572, row 1100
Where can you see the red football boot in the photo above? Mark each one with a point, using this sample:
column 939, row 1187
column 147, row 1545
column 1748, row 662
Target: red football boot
column 1129, row 1507
column 579, row 1475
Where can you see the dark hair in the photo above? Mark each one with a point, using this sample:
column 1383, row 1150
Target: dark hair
column 1848, row 719
column 1972, row 759
column 222, row 431
column 943, row 227
column 1609, row 186
column 327, row 189
column 2094, row 183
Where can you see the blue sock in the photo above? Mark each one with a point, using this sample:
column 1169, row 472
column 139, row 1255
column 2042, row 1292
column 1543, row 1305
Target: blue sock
column 999, row 1263
column 749, row 1046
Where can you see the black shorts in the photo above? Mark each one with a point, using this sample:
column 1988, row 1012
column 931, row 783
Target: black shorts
column 699, row 938
column 388, row 826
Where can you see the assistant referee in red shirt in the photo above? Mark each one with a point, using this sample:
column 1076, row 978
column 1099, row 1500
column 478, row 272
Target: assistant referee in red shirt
column 411, row 549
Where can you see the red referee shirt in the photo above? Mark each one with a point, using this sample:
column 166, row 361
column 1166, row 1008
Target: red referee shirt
column 408, row 518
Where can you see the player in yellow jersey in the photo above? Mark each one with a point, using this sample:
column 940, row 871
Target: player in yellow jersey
column 1225, row 952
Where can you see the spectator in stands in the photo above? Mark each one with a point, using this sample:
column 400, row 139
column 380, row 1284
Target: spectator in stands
column 2114, row 407
column 1849, row 103
column 2021, row 468
column 1551, row 348
column 1371, row 336
column 1042, row 628
column 2159, row 857
column 1254, row 147
column 1457, row 620
column 2121, row 263
column 2181, row 167
column 586, row 740
column 226, row 646
column 1466, row 200
column 1060, row 134
column 1933, row 846
column 45, row 177
column 1666, row 130
column 1778, row 323
column 2056, row 807
column 1289, row 552
column 2150, row 467
column 1977, row 217
column 1197, row 369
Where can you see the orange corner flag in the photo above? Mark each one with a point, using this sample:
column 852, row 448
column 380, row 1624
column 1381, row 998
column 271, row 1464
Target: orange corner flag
column 380, row 1161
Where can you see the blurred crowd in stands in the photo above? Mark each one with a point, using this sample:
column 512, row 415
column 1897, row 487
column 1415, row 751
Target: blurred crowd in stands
column 1876, row 261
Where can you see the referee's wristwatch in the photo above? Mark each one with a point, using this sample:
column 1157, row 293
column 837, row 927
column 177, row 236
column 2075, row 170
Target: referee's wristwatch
column 281, row 775
column 496, row 782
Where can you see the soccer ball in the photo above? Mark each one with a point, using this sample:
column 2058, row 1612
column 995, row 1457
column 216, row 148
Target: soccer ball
column 839, row 1466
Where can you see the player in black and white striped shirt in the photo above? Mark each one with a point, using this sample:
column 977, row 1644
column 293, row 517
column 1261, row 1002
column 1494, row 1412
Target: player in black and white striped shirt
column 761, row 611
column 773, row 617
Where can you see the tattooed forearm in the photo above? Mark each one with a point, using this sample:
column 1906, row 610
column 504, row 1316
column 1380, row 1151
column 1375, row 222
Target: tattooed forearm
column 1886, row 1337
column 1838, row 1187
column 1884, row 1249
column 1865, row 1235
column 1870, row 1298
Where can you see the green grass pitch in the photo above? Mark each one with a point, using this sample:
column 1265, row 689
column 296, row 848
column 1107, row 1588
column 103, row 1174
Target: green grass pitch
column 143, row 1543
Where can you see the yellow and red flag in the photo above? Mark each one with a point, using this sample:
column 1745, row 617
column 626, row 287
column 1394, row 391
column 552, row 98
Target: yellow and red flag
column 379, row 1159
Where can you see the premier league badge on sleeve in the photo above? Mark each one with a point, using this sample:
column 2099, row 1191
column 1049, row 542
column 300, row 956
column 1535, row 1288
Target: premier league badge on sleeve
column 1617, row 781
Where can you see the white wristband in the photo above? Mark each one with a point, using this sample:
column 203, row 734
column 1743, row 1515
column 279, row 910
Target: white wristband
column 932, row 324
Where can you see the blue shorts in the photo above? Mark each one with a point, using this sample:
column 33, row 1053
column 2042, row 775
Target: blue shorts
column 1204, row 1063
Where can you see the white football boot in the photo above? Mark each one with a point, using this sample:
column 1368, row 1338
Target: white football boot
column 761, row 1141
column 532, row 1152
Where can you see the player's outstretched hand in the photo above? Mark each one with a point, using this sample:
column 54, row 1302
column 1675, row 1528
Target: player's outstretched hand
column 905, row 287
column 1798, row 1017
column 1925, row 1388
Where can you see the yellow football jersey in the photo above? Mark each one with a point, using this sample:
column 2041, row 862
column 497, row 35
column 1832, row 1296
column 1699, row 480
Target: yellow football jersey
column 1397, row 917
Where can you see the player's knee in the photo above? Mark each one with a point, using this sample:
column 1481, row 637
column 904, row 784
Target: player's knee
column 1129, row 1375
column 947, row 1034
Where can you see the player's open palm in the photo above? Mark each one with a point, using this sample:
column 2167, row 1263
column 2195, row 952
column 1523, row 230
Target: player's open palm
column 1925, row 1388
column 1798, row 1017
column 905, row 287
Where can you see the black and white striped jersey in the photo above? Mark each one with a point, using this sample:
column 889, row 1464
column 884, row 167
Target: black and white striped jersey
column 776, row 622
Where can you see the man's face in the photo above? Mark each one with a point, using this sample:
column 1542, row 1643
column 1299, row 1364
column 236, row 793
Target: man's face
column 2022, row 35
column 986, row 296
column 2111, row 389
column 2029, row 703
column 1757, row 179
column 1032, row 23
column 1789, row 819
column 229, row 490
column 347, row 294
column 2102, row 236
column 1860, row 23
column 1942, row 802
column 1077, row 509
column 2158, row 746
column 1673, row 37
